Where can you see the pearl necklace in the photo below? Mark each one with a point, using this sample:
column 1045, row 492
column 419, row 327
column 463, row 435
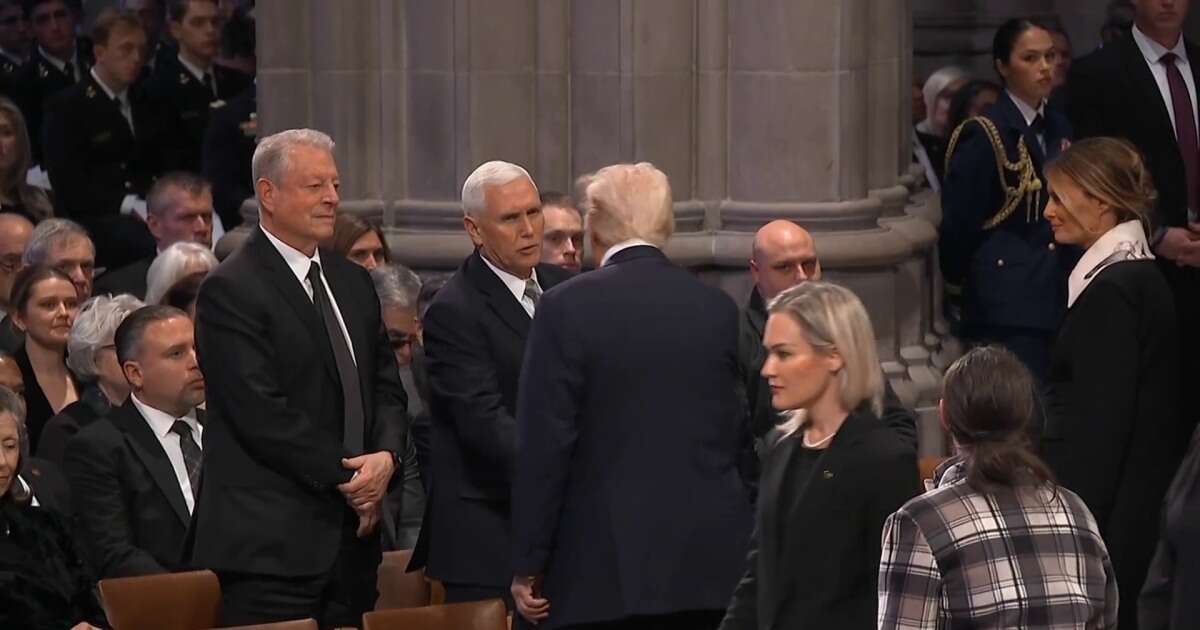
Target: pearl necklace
column 817, row 444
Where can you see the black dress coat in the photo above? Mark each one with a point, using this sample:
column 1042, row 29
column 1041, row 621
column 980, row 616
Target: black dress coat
column 1113, row 433
column 1168, row 600
column 188, row 102
column 814, row 558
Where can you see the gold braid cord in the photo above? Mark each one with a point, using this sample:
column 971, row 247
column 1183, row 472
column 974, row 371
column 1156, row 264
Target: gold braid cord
column 1028, row 186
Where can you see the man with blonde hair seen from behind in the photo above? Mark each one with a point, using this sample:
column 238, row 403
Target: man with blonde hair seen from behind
column 474, row 334
column 628, row 409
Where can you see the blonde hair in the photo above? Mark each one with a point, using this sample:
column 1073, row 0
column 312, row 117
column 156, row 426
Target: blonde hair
column 627, row 201
column 834, row 319
column 1111, row 170
column 36, row 201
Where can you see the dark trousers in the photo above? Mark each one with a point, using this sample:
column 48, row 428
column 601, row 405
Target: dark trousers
column 691, row 620
column 336, row 599
column 458, row 593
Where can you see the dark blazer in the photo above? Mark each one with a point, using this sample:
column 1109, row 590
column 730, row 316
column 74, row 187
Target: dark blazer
column 228, row 148
column 37, row 81
column 37, row 407
column 49, row 485
column 1113, row 93
column 1113, row 433
column 95, row 160
column 129, row 279
column 269, row 503
column 627, row 496
column 12, row 338
column 131, row 513
column 188, row 100
column 91, row 406
column 474, row 334
column 1168, row 600
column 814, row 559
column 1013, row 274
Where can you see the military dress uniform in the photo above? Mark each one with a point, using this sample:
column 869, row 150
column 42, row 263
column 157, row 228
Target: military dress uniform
column 189, row 98
column 96, row 156
column 41, row 78
column 229, row 143
column 9, row 65
column 1006, row 278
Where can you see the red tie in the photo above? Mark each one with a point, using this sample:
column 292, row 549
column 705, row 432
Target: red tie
column 1185, row 131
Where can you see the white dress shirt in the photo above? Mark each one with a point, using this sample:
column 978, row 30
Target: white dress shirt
column 160, row 423
column 199, row 72
column 1030, row 114
column 1153, row 52
column 62, row 63
column 299, row 263
column 515, row 284
column 623, row 245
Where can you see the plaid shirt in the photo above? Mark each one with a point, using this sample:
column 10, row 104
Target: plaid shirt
column 957, row 558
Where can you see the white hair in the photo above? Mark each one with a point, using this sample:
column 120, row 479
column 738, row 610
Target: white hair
column 46, row 235
column 270, row 159
column 94, row 328
column 397, row 286
column 626, row 201
column 172, row 265
column 494, row 173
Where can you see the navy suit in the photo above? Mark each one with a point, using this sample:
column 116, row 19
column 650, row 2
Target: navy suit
column 1010, row 279
column 627, row 497
column 474, row 334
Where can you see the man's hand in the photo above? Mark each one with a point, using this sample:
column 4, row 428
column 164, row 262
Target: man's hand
column 368, row 519
column 525, row 596
column 1181, row 245
column 372, row 473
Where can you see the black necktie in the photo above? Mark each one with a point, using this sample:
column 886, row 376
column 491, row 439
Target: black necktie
column 352, row 406
column 192, row 455
column 69, row 70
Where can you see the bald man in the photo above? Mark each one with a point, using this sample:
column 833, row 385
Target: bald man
column 784, row 255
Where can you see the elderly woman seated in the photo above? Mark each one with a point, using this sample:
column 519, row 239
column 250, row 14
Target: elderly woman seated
column 92, row 357
column 175, row 263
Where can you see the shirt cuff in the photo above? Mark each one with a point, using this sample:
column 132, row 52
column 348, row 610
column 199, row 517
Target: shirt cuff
column 132, row 204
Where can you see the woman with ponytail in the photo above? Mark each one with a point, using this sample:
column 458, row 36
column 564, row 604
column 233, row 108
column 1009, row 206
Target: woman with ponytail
column 995, row 543
column 1113, row 431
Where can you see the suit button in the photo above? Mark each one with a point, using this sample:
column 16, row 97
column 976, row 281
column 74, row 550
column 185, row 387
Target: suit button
column 1050, row 247
column 128, row 185
column 1000, row 262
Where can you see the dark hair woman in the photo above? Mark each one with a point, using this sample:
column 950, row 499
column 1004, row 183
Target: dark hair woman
column 359, row 240
column 994, row 543
column 1113, row 430
column 1005, row 282
column 45, row 303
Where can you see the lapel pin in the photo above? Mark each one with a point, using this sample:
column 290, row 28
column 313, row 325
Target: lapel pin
column 828, row 474
column 183, row 80
column 91, row 92
column 42, row 71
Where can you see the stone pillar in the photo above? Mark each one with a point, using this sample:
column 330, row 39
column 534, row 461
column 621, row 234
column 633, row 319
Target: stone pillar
column 755, row 109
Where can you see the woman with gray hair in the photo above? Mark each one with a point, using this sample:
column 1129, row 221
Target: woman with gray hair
column 175, row 263
column 43, row 580
column 92, row 357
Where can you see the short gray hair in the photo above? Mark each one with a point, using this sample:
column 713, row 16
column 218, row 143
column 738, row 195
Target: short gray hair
column 494, row 173
column 627, row 201
column 171, row 266
column 397, row 286
column 270, row 159
column 94, row 328
column 46, row 235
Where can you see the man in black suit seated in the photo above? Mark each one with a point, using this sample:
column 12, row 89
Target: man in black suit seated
column 1144, row 88
column 784, row 255
column 15, row 231
column 190, row 83
column 135, row 474
column 58, row 61
column 306, row 414
column 474, row 334
column 178, row 208
column 105, row 143
column 628, row 505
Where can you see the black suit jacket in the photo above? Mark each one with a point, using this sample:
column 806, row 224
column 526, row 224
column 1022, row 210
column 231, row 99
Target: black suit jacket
column 129, row 279
column 814, row 561
column 273, row 441
column 1168, row 599
column 628, row 497
column 91, row 406
column 37, row 407
column 37, row 81
column 132, row 516
column 1113, row 432
column 1013, row 274
column 49, row 485
column 229, row 142
column 474, row 341
column 188, row 100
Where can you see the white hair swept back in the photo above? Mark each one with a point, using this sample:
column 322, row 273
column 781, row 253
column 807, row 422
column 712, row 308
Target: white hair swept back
column 494, row 173
column 270, row 159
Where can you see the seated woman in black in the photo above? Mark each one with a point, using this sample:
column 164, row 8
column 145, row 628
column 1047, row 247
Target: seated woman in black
column 43, row 582
column 832, row 473
column 1005, row 282
column 1113, row 433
